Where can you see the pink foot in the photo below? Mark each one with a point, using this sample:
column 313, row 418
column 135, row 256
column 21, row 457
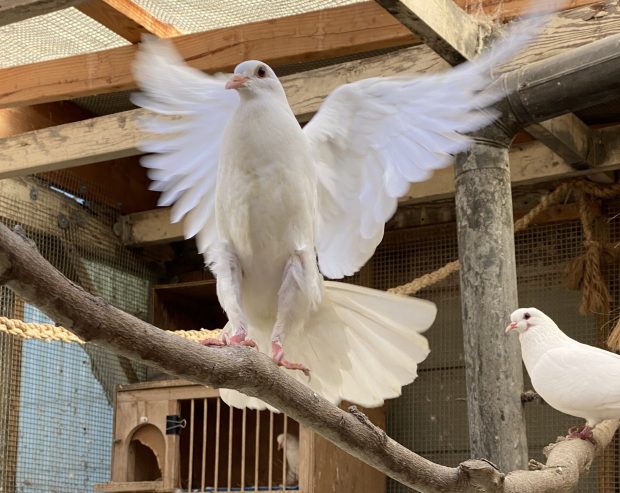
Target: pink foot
column 238, row 339
column 582, row 432
column 277, row 354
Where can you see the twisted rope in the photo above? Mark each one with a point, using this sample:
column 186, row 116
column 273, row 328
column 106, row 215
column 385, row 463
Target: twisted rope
column 51, row 332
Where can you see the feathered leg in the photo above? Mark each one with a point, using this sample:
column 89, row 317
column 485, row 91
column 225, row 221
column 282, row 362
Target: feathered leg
column 226, row 266
column 295, row 297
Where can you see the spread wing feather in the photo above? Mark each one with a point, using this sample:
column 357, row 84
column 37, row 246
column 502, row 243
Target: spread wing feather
column 374, row 137
column 188, row 113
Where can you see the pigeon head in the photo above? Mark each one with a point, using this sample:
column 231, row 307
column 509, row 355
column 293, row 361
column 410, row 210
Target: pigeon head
column 280, row 440
column 524, row 318
column 253, row 77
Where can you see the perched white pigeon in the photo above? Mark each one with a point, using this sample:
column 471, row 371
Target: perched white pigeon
column 274, row 207
column 572, row 377
column 292, row 457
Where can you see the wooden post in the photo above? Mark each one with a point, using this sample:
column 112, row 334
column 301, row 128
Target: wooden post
column 494, row 373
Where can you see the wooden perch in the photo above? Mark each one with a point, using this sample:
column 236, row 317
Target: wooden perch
column 25, row 271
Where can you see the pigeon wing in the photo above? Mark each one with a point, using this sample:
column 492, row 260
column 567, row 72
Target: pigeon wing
column 188, row 113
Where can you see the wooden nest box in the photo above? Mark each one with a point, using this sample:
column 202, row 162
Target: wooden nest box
column 174, row 436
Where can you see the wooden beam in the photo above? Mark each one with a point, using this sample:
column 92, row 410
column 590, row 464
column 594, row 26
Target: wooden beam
column 18, row 10
column 149, row 228
column 124, row 180
column 300, row 38
column 569, row 138
column 508, row 9
column 127, row 19
column 443, row 26
column 530, row 162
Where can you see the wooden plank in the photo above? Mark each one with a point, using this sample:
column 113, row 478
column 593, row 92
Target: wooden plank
column 300, row 38
column 124, row 180
column 443, row 26
column 568, row 30
column 127, row 19
column 149, row 227
column 508, row 9
column 15, row 121
column 18, row 10
column 325, row 468
column 65, row 149
column 133, row 487
column 168, row 392
column 569, row 138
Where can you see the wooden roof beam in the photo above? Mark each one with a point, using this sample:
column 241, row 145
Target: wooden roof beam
column 569, row 138
column 19, row 10
column 443, row 26
column 509, row 9
column 324, row 34
column 127, row 19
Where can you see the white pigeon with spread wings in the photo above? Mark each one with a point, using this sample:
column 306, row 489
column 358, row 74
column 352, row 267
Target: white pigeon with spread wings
column 574, row 378
column 265, row 199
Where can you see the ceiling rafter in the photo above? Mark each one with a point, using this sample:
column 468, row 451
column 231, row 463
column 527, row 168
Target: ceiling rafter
column 127, row 19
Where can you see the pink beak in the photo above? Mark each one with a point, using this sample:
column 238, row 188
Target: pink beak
column 236, row 81
column 511, row 326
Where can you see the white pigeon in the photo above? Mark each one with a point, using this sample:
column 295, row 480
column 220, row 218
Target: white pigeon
column 574, row 378
column 274, row 207
column 292, row 457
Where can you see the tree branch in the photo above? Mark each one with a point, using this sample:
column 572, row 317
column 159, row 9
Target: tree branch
column 25, row 271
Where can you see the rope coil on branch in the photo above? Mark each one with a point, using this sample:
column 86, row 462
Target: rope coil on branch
column 583, row 272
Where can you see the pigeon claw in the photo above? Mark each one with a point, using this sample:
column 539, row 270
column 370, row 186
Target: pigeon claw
column 211, row 341
column 277, row 354
column 581, row 432
column 226, row 340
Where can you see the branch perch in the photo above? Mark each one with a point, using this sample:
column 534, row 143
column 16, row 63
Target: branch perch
column 27, row 273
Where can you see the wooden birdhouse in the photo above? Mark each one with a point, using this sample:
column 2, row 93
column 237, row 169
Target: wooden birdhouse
column 172, row 436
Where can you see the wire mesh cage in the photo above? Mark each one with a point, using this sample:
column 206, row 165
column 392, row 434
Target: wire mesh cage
column 56, row 398
column 431, row 415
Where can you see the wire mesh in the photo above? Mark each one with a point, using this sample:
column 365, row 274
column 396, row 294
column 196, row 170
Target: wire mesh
column 431, row 415
column 56, row 398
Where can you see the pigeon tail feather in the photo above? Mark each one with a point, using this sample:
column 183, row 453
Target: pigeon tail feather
column 362, row 345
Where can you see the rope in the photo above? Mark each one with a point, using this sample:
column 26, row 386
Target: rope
column 51, row 332
column 584, row 272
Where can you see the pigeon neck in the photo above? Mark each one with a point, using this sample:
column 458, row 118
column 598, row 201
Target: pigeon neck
column 537, row 340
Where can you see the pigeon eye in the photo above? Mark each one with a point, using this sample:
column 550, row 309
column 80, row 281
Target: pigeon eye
column 261, row 72
column 526, row 316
